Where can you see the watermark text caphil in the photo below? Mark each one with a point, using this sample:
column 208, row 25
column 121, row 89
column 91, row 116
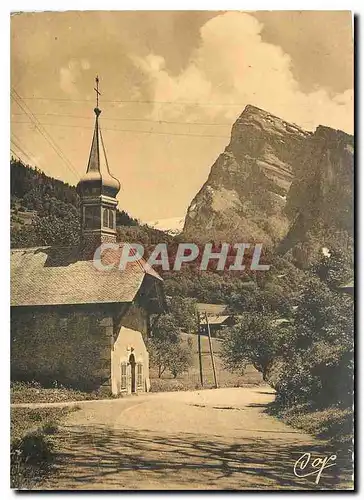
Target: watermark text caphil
column 185, row 253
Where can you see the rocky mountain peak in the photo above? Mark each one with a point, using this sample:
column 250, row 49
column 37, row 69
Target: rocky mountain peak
column 258, row 188
column 246, row 190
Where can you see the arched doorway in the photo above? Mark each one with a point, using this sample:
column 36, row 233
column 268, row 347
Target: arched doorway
column 133, row 374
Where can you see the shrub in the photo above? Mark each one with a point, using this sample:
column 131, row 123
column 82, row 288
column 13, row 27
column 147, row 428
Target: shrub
column 35, row 447
column 32, row 444
column 319, row 365
column 29, row 458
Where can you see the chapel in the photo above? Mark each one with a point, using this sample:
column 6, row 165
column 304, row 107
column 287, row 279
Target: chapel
column 73, row 323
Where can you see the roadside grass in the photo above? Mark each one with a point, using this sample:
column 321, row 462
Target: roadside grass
column 32, row 444
column 33, row 392
column 333, row 423
column 190, row 380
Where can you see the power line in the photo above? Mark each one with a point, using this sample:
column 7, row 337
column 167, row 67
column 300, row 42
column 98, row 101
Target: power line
column 31, row 156
column 17, row 156
column 131, row 119
column 19, row 148
column 132, row 130
column 43, row 132
column 176, row 103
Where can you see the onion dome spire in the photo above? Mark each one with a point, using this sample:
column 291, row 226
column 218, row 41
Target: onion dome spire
column 98, row 174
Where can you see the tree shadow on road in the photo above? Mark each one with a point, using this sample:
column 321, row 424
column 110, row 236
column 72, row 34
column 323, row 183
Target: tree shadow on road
column 97, row 457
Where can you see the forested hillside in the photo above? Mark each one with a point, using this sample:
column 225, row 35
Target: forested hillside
column 44, row 210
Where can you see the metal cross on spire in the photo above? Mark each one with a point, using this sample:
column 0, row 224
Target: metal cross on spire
column 96, row 89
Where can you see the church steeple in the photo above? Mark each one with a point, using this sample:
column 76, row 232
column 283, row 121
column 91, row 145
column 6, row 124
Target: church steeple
column 97, row 189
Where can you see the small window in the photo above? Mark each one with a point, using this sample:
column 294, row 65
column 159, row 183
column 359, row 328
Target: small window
column 140, row 374
column 108, row 219
column 111, row 219
column 105, row 217
column 92, row 217
column 123, row 378
column 88, row 217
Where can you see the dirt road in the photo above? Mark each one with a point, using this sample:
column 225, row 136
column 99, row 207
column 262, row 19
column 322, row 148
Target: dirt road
column 212, row 439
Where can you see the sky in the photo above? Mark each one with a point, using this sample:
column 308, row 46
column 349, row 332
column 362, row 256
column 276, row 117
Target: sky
column 172, row 85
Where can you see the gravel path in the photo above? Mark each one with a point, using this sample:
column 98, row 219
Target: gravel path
column 212, row 439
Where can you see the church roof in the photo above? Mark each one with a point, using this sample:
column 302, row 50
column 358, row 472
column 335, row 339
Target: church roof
column 57, row 275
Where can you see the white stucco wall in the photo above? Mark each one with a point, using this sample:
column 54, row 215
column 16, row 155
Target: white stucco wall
column 130, row 341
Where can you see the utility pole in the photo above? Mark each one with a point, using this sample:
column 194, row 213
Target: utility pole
column 199, row 347
column 211, row 351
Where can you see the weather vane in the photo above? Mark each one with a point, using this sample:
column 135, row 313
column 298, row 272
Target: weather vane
column 96, row 89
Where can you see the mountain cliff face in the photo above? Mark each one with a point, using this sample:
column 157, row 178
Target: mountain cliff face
column 245, row 194
column 320, row 203
column 280, row 185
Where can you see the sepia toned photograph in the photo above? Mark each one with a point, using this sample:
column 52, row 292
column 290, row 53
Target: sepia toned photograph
column 182, row 250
